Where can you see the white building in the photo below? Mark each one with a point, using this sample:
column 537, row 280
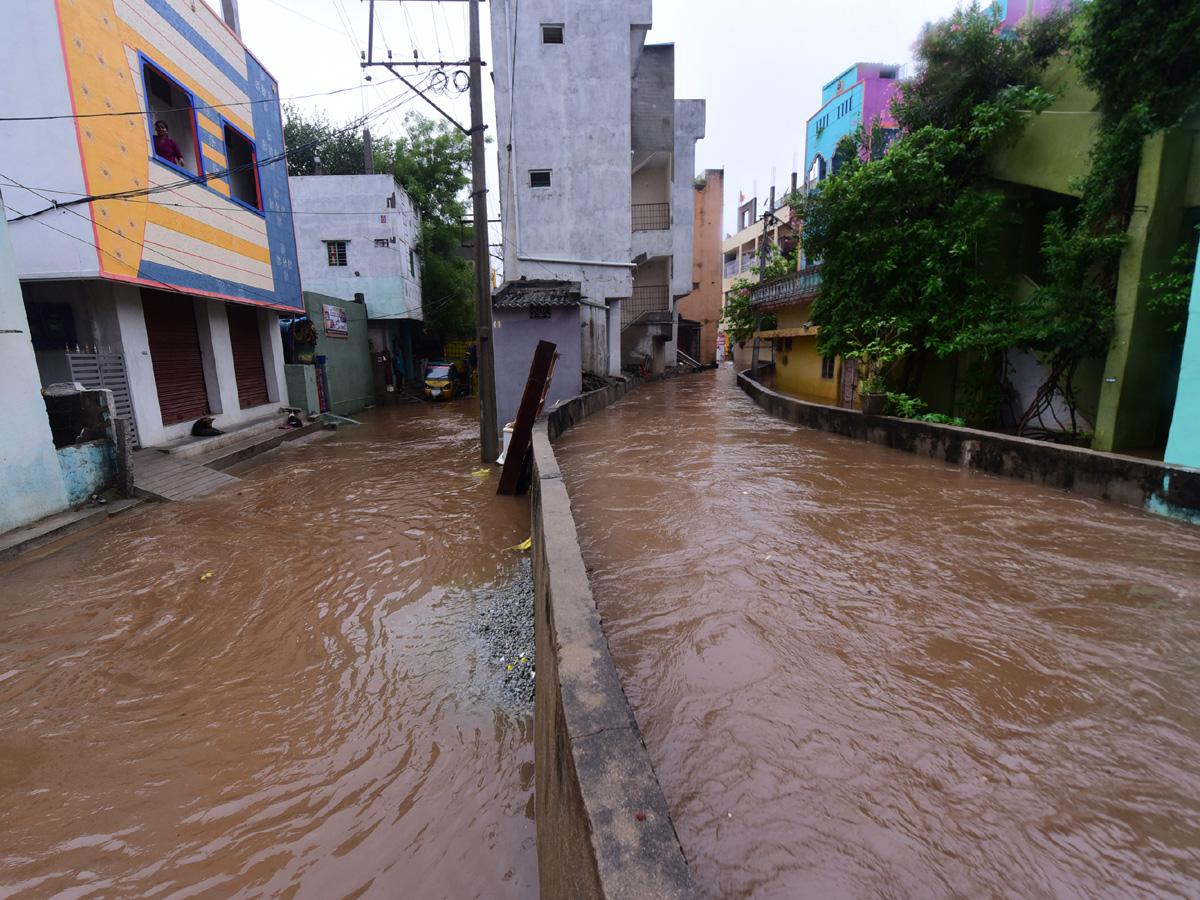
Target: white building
column 356, row 238
column 596, row 169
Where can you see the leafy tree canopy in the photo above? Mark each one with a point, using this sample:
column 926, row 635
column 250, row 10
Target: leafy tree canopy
column 911, row 239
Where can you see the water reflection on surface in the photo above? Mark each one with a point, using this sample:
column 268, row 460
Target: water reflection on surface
column 310, row 720
column 865, row 675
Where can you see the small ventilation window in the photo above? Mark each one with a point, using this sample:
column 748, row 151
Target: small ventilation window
column 539, row 312
column 337, row 252
column 539, row 178
column 827, row 366
column 552, row 34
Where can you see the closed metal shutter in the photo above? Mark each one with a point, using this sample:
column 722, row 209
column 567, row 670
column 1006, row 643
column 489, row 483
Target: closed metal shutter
column 175, row 355
column 248, row 365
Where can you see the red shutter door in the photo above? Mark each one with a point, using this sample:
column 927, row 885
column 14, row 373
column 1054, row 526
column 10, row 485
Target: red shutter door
column 248, row 364
column 175, row 355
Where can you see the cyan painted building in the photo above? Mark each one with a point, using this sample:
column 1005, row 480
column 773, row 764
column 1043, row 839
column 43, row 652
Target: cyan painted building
column 1183, row 444
column 33, row 484
column 861, row 95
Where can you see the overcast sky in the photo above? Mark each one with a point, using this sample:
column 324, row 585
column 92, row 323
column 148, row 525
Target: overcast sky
column 759, row 64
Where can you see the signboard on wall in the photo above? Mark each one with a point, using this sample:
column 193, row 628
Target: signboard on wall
column 335, row 321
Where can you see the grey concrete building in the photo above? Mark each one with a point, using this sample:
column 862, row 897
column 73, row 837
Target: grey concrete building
column 596, row 160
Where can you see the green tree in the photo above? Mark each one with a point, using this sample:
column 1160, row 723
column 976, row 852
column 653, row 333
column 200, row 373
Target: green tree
column 432, row 161
column 911, row 239
column 340, row 149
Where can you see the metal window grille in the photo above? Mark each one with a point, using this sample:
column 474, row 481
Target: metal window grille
column 552, row 34
column 539, row 312
column 381, row 242
column 651, row 216
column 337, row 252
column 646, row 298
column 827, row 365
column 539, row 178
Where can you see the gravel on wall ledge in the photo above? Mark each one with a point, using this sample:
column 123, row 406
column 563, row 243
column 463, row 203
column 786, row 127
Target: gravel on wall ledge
column 504, row 626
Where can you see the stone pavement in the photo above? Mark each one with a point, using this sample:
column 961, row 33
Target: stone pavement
column 189, row 468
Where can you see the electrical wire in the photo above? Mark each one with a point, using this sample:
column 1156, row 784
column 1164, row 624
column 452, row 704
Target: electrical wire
column 378, row 112
column 266, row 298
column 215, row 106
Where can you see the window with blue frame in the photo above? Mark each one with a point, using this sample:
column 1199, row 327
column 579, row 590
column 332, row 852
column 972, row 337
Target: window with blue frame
column 241, row 161
column 171, row 111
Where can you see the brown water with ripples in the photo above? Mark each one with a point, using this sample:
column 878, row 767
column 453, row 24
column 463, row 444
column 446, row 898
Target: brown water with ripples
column 861, row 674
column 311, row 721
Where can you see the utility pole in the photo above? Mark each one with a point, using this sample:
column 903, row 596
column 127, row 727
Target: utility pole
column 484, row 349
column 768, row 216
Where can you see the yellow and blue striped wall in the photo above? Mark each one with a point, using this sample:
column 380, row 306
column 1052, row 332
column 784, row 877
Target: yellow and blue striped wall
column 156, row 223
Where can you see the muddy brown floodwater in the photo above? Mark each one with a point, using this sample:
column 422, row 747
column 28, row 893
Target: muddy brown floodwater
column 864, row 675
column 311, row 720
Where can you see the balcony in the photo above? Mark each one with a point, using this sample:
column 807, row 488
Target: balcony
column 731, row 268
column 790, row 289
column 647, row 298
column 651, row 216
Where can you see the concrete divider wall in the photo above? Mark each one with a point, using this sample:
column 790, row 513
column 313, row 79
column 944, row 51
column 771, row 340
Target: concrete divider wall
column 603, row 828
column 1153, row 486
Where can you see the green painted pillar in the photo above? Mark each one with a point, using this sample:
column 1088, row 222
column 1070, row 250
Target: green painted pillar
column 1137, row 390
column 1183, row 445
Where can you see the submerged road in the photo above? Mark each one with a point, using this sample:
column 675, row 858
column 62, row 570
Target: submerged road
column 860, row 674
column 273, row 690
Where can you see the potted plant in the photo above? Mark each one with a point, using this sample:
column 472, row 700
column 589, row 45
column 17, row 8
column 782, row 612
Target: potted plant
column 877, row 355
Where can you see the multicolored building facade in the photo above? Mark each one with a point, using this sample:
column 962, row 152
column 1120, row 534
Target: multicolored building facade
column 861, row 95
column 174, row 258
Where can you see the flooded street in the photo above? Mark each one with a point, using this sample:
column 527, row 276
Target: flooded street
column 861, row 674
column 272, row 691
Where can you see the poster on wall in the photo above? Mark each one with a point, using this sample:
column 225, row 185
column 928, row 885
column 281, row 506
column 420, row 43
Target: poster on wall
column 335, row 321
column 721, row 338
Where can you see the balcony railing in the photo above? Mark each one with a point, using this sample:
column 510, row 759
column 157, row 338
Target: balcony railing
column 749, row 260
column 731, row 268
column 793, row 288
column 646, row 298
column 651, row 216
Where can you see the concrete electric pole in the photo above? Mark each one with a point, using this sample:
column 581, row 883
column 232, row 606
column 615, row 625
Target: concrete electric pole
column 485, row 353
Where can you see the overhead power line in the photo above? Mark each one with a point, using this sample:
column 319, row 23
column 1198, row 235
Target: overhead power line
column 216, row 106
column 382, row 110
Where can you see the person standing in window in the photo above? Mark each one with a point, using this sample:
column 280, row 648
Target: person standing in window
column 164, row 146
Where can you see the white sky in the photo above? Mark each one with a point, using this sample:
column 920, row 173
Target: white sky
column 759, row 64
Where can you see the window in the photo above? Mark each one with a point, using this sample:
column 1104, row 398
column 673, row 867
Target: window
column 827, row 366
column 412, row 266
column 539, row 312
column 170, row 103
column 241, row 161
column 381, row 242
column 816, row 172
column 337, row 252
column 539, row 178
column 552, row 34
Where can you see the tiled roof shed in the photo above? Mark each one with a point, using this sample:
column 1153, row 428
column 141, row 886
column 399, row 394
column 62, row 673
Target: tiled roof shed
column 531, row 293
